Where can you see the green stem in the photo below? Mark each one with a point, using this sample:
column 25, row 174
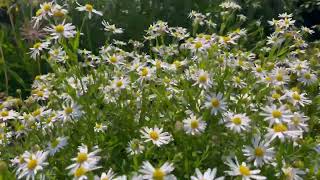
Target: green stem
column 5, row 71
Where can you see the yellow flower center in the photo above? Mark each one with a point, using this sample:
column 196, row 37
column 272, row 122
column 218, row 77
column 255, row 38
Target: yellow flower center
column 54, row 143
column 4, row 113
column 226, row 38
column 36, row 112
column 105, row 178
column 68, row 110
column 119, row 83
column 215, row 102
column 203, row 78
column 154, row 135
column 80, row 172
column 259, row 152
column 158, row 64
column 296, row 96
column 32, row 164
column 37, row 45
column 40, row 93
column 39, row 12
column 237, row 79
column 89, row 7
column 276, row 96
column 113, row 59
column 59, row 28
column 244, row 170
column 276, row 114
column 280, row 127
column 144, row 71
column 236, row 120
column 259, row 69
column 47, row 7
column 198, row 45
column 307, row 75
column 268, row 78
column 82, row 157
column 158, row 174
column 58, row 13
column 279, row 77
column 296, row 120
column 177, row 64
column 194, row 124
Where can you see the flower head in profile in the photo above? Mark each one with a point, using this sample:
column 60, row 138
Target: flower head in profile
column 161, row 173
column 37, row 48
column 57, row 144
column 111, row 28
column 89, row 8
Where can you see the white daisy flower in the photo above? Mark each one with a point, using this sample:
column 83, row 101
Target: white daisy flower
column 242, row 170
column 33, row 163
column 298, row 122
column 292, row 173
column 237, row 122
column 89, row 8
column 100, row 127
column 114, row 59
column 260, row 153
column 202, row 79
column 37, row 48
column 120, row 83
column 111, row 28
column 156, row 136
column 161, row 173
column 145, row 73
column 71, row 111
column 281, row 131
column 274, row 114
column 296, row 98
column 280, row 76
column 210, row 174
column 8, row 115
column 61, row 30
column 238, row 83
column 56, row 145
column 135, row 147
column 307, row 78
column 84, row 161
column 215, row 102
column 194, row 125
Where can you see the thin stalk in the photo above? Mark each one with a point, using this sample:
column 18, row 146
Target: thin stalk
column 5, row 71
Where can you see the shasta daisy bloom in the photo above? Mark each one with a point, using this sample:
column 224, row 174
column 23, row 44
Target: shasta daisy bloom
column 162, row 173
column 194, row 125
column 215, row 102
column 156, row 136
column 238, row 83
column 33, row 162
column 210, row 174
column 37, row 48
column 145, row 73
column 242, row 170
column 114, row 59
column 56, row 145
column 260, row 153
column 237, row 122
column 80, row 172
column 274, row 114
column 89, row 8
column 120, row 83
column 281, row 131
column 135, row 147
column 307, row 78
column 85, row 159
column 110, row 175
column 61, row 30
column 202, row 79
column 297, row 99
column 8, row 115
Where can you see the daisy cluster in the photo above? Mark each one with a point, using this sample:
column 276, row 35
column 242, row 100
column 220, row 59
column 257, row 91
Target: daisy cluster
column 196, row 106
